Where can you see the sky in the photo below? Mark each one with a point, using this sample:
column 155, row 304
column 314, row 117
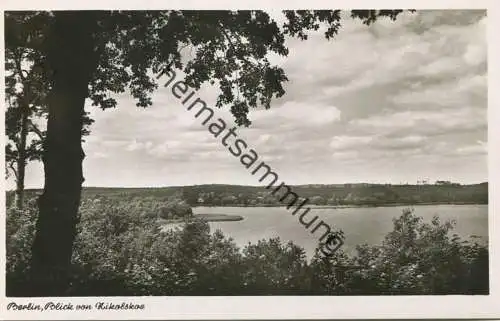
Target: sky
column 395, row 102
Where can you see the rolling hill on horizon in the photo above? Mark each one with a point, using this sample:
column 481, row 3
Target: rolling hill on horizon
column 442, row 192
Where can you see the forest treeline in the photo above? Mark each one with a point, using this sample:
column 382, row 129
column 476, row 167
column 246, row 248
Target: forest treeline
column 362, row 194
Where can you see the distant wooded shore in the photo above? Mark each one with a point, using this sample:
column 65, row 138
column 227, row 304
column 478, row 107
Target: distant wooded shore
column 319, row 207
column 320, row 195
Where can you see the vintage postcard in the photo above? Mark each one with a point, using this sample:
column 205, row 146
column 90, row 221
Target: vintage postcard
column 188, row 160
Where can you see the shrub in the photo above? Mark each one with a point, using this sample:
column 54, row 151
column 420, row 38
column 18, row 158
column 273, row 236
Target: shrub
column 121, row 250
column 421, row 258
column 175, row 209
column 273, row 267
column 19, row 230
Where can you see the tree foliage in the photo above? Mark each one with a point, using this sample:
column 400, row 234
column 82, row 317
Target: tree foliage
column 230, row 49
column 27, row 88
column 25, row 92
column 122, row 250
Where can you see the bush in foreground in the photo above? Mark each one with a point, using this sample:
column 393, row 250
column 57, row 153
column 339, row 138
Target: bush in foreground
column 120, row 250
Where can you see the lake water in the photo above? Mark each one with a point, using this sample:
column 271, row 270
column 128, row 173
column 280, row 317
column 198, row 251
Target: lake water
column 360, row 225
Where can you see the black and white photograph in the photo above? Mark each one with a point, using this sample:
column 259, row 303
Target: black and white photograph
column 204, row 153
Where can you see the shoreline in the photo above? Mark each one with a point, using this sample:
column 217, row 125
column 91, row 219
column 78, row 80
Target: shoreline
column 206, row 217
column 350, row 205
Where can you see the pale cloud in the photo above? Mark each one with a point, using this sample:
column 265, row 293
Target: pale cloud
column 407, row 142
column 455, row 92
column 135, row 145
column 464, row 118
column 479, row 148
column 264, row 138
column 345, row 155
column 344, row 142
column 100, row 155
column 165, row 148
column 295, row 114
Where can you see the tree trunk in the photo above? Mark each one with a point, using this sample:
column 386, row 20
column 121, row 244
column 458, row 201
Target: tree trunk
column 21, row 161
column 72, row 61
